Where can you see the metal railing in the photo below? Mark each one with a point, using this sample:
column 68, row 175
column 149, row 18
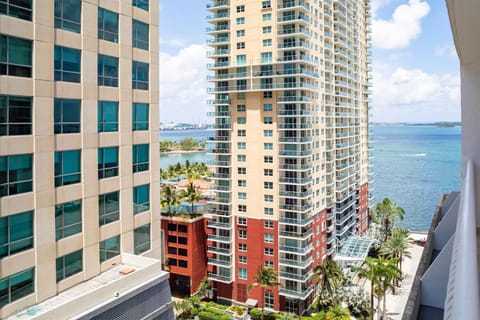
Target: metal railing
column 463, row 300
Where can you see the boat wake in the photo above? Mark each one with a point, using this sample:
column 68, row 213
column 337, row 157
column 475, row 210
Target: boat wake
column 422, row 154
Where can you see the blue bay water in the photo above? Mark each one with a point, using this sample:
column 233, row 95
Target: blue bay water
column 412, row 165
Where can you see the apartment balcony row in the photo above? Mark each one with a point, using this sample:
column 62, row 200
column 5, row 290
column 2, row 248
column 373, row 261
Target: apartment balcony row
column 300, row 293
column 289, row 45
column 295, row 208
column 226, row 262
column 296, row 140
column 294, row 31
column 218, row 212
column 286, row 58
column 218, row 4
column 220, row 188
column 218, row 238
column 220, row 278
column 221, row 176
column 222, row 16
column 294, row 153
column 298, row 17
column 220, row 200
column 220, row 28
column 273, row 73
column 296, row 235
column 295, row 167
column 219, row 250
column 264, row 86
column 301, row 250
column 220, row 101
column 302, row 263
column 293, row 4
column 214, row 224
column 301, row 221
column 219, row 163
column 301, row 277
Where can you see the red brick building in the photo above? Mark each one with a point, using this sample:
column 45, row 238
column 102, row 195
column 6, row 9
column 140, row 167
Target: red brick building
column 186, row 252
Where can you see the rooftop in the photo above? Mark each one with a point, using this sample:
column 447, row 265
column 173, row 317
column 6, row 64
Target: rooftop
column 132, row 272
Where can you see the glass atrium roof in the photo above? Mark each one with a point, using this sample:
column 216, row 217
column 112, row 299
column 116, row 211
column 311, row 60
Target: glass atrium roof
column 354, row 249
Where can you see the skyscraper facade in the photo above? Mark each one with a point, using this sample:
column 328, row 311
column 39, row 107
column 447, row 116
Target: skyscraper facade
column 78, row 143
column 290, row 96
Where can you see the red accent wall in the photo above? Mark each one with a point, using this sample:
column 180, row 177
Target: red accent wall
column 319, row 237
column 255, row 257
column 196, row 249
column 364, row 214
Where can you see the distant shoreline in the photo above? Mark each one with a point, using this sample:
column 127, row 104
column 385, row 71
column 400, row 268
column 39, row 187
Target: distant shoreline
column 182, row 151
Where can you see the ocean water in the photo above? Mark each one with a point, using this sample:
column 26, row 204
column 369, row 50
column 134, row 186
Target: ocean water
column 412, row 165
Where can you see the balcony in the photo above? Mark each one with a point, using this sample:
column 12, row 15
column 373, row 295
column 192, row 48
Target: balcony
column 218, row 262
column 299, row 181
column 219, row 225
column 303, row 263
column 295, row 139
column 301, row 294
column 302, row 222
column 222, row 251
column 217, row 238
column 219, row 278
column 218, row 4
column 294, row 276
column 218, row 17
column 297, row 235
column 219, row 163
column 292, row 194
column 294, row 153
column 299, row 250
column 295, row 167
column 293, row 5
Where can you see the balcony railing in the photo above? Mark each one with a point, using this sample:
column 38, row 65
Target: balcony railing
column 463, row 301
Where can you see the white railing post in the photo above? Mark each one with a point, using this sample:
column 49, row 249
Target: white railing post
column 463, row 299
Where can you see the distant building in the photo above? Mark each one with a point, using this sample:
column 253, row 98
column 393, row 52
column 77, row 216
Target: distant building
column 79, row 161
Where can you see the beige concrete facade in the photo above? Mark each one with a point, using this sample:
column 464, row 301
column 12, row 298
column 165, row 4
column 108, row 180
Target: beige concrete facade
column 290, row 96
column 43, row 143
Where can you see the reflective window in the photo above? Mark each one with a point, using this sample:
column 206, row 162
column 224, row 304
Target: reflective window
column 21, row 9
column 140, row 35
column 108, row 207
column 139, row 116
column 107, row 71
column 140, row 157
column 141, row 198
column 67, row 64
column 15, row 56
column 68, row 15
column 15, row 115
column 69, row 264
column 141, row 239
column 16, row 286
column 139, row 75
column 142, row 4
column 68, row 219
column 67, row 116
column 107, row 25
column 67, row 167
column 109, row 248
column 107, row 113
column 16, row 233
column 107, row 162
column 16, row 174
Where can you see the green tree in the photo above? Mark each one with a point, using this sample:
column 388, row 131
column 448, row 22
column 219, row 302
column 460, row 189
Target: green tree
column 168, row 198
column 337, row 313
column 329, row 277
column 204, row 288
column 191, row 195
column 387, row 212
column 369, row 270
column 388, row 274
column 288, row 316
column 397, row 246
column 188, row 144
column 265, row 278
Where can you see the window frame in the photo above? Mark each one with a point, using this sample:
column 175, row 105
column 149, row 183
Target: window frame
column 62, row 126
column 64, row 70
column 140, row 162
column 73, row 224
column 104, row 30
column 108, row 208
column 15, row 243
column 138, row 206
column 109, row 248
column 107, row 71
column 12, row 48
column 108, row 169
column 140, row 125
column 10, row 113
column 142, row 245
column 24, row 175
column 68, row 24
column 68, row 270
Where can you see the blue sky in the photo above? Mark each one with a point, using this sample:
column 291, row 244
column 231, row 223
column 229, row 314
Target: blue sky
column 416, row 71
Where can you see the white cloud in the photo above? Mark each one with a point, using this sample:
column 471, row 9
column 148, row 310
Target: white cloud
column 183, row 85
column 377, row 5
column 446, row 51
column 403, row 27
column 415, row 95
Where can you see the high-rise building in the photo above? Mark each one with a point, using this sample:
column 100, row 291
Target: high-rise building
column 290, row 84
column 79, row 159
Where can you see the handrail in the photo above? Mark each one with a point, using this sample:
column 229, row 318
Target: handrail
column 463, row 299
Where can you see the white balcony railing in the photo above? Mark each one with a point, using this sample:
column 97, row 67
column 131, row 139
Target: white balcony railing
column 463, row 300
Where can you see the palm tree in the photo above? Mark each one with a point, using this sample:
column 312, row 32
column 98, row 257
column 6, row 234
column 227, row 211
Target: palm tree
column 337, row 313
column 265, row 278
column 204, row 288
column 288, row 316
column 191, row 195
column 397, row 246
column 388, row 275
column 168, row 197
column 330, row 276
column 369, row 270
column 388, row 212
